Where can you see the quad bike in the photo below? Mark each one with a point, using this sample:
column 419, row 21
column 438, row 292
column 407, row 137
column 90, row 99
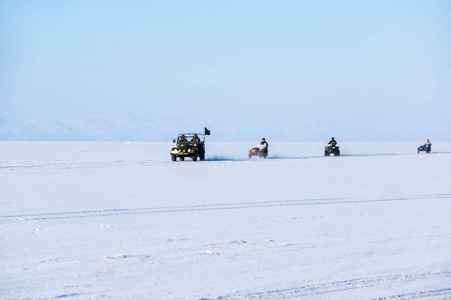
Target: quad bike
column 261, row 153
column 425, row 148
column 335, row 150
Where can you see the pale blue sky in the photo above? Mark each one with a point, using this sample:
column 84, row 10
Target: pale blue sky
column 373, row 64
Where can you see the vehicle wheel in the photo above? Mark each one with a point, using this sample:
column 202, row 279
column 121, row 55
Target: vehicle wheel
column 337, row 153
column 182, row 158
column 194, row 158
column 202, row 156
column 173, row 158
column 418, row 150
column 250, row 156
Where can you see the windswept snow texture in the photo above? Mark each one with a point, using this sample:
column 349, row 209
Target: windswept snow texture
column 120, row 220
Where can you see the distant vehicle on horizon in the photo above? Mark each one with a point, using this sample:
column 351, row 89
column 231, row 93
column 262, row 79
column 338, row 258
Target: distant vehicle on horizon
column 261, row 150
column 332, row 148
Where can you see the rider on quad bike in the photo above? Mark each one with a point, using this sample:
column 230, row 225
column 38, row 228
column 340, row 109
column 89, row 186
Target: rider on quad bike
column 333, row 142
column 263, row 147
column 332, row 149
column 426, row 147
column 428, row 144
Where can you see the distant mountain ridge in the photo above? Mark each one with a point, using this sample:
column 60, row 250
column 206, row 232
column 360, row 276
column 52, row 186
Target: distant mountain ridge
column 138, row 128
column 145, row 128
column 91, row 128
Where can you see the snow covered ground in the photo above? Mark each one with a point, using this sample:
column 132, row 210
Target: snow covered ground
column 120, row 220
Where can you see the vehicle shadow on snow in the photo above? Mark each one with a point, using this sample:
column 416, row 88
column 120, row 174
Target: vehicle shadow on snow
column 288, row 157
column 380, row 154
column 221, row 158
column 439, row 153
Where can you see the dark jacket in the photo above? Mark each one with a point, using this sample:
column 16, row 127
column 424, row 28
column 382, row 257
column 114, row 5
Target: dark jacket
column 333, row 143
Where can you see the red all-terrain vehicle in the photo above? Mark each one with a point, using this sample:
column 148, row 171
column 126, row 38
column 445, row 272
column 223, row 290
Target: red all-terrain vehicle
column 263, row 153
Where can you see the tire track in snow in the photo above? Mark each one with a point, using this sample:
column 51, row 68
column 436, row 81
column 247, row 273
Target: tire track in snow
column 342, row 286
column 208, row 207
column 423, row 294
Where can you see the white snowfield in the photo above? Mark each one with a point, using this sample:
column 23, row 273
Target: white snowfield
column 121, row 221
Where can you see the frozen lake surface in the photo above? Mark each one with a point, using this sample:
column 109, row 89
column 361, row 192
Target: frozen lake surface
column 120, row 220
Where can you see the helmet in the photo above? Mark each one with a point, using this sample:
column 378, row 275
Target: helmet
column 263, row 139
column 332, row 137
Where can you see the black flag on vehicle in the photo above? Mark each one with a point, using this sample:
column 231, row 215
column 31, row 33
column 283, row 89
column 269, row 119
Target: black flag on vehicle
column 206, row 131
